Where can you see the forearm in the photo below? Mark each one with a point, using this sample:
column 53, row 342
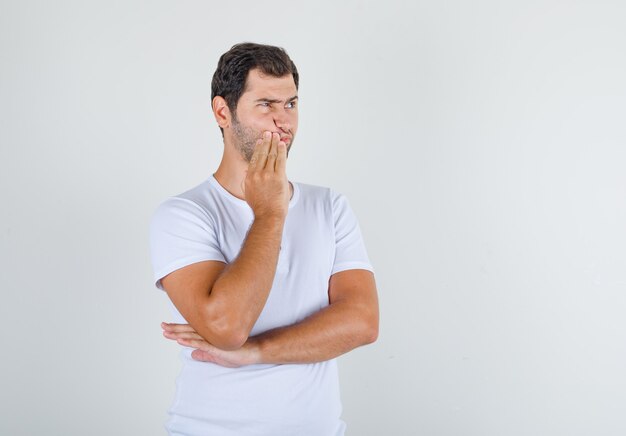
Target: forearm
column 326, row 334
column 331, row 332
column 240, row 292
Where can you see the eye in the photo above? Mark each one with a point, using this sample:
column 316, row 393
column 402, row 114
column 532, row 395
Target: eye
column 291, row 104
column 265, row 104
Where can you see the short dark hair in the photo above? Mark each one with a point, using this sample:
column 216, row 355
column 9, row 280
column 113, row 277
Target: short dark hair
column 229, row 79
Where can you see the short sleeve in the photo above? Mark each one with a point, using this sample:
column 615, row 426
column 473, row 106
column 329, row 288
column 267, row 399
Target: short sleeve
column 350, row 250
column 181, row 233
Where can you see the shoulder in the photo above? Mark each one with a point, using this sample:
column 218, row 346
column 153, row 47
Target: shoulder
column 191, row 205
column 328, row 205
column 333, row 201
column 202, row 196
column 318, row 193
column 312, row 191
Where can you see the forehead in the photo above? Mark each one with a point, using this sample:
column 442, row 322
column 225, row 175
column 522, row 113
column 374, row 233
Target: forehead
column 260, row 85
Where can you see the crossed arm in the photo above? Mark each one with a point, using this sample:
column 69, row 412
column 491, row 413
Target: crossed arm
column 350, row 320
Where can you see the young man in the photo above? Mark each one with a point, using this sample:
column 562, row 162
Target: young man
column 269, row 279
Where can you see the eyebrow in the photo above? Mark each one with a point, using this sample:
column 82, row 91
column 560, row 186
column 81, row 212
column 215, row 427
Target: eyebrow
column 273, row 100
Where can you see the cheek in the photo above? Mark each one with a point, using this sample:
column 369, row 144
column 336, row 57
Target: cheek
column 263, row 123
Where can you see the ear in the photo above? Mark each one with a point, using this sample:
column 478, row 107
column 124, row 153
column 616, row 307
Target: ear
column 221, row 112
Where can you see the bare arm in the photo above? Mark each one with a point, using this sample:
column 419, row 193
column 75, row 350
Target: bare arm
column 351, row 320
column 221, row 302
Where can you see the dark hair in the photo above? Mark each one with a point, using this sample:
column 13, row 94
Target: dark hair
column 229, row 79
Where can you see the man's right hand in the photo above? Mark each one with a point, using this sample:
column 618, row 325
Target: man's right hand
column 266, row 188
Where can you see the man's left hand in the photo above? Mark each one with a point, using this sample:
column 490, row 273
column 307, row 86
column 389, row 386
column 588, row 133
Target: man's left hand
column 186, row 336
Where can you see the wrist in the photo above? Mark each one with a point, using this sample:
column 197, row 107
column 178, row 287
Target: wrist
column 270, row 215
column 270, row 221
column 256, row 354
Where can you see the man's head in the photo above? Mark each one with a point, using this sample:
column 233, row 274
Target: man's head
column 254, row 89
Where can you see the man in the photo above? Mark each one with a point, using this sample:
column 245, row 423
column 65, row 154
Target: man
column 269, row 279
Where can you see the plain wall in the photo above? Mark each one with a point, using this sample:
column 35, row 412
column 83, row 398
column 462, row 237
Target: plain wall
column 482, row 145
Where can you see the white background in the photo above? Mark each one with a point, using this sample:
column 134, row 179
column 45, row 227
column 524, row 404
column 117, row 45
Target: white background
column 481, row 144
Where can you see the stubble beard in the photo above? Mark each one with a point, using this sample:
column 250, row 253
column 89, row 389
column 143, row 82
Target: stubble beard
column 246, row 137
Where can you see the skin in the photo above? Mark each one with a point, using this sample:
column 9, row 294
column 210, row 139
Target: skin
column 222, row 302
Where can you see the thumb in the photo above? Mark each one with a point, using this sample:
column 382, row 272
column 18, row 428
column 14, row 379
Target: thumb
column 201, row 355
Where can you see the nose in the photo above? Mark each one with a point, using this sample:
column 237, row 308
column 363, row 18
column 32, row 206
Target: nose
column 282, row 121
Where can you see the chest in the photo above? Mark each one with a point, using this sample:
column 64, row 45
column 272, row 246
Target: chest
column 305, row 261
column 307, row 241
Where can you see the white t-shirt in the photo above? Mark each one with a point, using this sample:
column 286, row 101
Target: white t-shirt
column 321, row 237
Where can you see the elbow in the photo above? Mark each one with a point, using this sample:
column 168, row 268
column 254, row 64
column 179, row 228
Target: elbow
column 226, row 336
column 225, row 333
column 369, row 329
column 233, row 340
column 371, row 334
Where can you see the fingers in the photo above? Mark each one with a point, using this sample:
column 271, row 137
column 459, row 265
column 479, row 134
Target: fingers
column 261, row 150
column 273, row 152
column 195, row 343
column 203, row 356
column 266, row 152
column 265, row 186
column 182, row 335
column 171, row 327
column 281, row 159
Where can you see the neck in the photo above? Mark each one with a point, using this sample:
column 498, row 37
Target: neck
column 231, row 172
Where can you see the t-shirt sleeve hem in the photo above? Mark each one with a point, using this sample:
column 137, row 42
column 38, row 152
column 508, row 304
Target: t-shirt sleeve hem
column 158, row 275
column 351, row 265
